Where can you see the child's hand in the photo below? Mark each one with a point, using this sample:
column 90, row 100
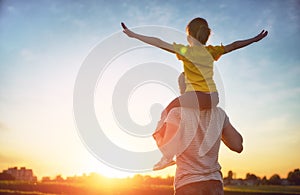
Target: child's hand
column 128, row 32
column 124, row 26
column 261, row 35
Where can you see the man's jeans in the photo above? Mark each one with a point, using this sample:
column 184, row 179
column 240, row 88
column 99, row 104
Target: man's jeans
column 212, row 187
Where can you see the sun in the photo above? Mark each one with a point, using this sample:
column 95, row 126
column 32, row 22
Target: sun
column 99, row 167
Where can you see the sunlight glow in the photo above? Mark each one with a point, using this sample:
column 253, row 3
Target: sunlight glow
column 43, row 47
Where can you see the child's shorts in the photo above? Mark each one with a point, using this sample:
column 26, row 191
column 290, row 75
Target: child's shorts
column 195, row 99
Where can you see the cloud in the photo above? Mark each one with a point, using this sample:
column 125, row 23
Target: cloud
column 28, row 54
column 11, row 9
column 160, row 14
column 293, row 11
column 9, row 159
column 79, row 23
column 3, row 127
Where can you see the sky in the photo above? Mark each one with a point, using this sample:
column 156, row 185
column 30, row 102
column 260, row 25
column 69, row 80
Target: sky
column 45, row 45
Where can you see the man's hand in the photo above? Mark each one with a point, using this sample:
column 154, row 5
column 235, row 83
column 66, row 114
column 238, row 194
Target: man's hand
column 261, row 35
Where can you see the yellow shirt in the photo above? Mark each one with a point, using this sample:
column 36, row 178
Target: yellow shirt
column 198, row 65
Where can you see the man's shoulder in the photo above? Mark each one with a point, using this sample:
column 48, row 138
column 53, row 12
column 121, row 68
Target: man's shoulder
column 184, row 114
column 182, row 110
column 192, row 111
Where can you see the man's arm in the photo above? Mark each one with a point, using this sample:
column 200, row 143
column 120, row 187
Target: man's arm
column 149, row 40
column 232, row 139
column 243, row 43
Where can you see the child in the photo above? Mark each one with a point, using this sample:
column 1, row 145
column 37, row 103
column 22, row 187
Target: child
column 197, row 61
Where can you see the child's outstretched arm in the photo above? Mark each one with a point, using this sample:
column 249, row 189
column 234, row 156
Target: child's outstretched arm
column 243, row 43
column 149, row 40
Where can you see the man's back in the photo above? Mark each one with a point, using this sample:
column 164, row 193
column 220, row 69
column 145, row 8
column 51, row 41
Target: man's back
column 199, row 161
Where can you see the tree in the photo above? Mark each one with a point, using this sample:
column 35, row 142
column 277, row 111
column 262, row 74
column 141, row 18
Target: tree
column 294, row 177
column 230, row 175
column 46, row 179
column 59, row 178
column 264, row 181
column 275, row 180
column 252, row 179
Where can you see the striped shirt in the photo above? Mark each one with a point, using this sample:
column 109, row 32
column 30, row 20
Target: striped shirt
column 195, row 144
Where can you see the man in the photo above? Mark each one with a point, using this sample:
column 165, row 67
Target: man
column 194, row 137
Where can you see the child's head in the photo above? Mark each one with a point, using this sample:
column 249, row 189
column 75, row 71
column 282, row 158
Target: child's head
column 199, row 30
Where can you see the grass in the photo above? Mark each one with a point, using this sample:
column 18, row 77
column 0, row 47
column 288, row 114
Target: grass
column 267, row 189
column 16, row 192
column 52, row 188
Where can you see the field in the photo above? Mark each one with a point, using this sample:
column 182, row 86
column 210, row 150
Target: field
column 262, row 189
column 55, row 188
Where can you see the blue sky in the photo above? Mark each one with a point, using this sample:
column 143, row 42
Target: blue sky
column 43, row 45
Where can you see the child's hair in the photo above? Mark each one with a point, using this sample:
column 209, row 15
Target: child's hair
column 198, row 29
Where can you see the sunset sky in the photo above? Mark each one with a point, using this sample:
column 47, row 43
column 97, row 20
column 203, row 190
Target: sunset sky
column 44, row 44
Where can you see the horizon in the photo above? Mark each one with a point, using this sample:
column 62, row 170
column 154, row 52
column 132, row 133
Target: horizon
column 65, row 177
column 45, row 44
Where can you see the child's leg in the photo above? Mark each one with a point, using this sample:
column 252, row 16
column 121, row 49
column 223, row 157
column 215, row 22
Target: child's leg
column 198, row 99
column 175, row 103
column 194, row 99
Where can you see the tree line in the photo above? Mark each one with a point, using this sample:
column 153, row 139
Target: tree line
column 293, row 178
